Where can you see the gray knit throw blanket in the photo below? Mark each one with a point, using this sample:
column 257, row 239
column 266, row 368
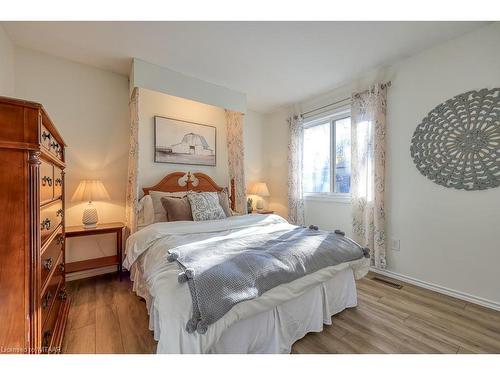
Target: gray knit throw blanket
column 226, row 271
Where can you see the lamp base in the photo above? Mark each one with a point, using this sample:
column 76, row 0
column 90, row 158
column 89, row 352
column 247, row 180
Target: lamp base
column 90, row 217
column 260, row 204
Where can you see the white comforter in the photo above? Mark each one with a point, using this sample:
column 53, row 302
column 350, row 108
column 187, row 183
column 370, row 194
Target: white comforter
column 148, row 248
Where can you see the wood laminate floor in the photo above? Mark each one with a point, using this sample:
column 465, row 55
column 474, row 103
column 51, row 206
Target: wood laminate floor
column 107, row 317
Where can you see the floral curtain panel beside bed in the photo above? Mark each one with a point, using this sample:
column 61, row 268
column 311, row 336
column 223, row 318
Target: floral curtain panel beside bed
column 133, row 169
column 235, row 154
column 368, row 168
column 295, row 149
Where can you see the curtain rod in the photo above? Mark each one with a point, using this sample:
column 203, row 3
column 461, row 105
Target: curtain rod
column 382, row 85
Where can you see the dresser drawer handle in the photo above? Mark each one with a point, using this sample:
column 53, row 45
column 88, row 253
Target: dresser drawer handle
column 60, row 212
column 45, row 224
column 46, row 300
column 46, row 337
column 54, row 145
column 58, row 182
column 46, row 135
column 61, row 268
column 60, row 239
column 46, row 181
column 47, row 263
column 63, row 295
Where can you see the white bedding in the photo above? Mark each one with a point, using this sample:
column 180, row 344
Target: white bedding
column 270, row 323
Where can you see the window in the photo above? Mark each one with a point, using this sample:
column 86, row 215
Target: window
column 326, row 161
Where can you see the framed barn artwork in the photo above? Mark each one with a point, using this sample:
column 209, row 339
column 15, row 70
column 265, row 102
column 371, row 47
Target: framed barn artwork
column 184, row 142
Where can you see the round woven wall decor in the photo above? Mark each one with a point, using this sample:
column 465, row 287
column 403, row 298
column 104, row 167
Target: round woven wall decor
column 457, row 144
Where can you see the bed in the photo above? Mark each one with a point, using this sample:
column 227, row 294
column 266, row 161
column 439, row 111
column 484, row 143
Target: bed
column 269, row 323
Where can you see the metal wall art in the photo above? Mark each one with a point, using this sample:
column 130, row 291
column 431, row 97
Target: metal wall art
column 457, row 145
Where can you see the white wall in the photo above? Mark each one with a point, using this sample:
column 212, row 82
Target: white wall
column 253, row 141
column 448, row 237
column 7, row 82
column 275, row 144
column 153, row 103
column 89, row 107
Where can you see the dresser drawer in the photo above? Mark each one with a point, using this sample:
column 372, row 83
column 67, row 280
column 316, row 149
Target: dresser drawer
column 49, row 325
column 50, row 217
column 50, row 294
column 50, row 256
column 50, row 144
column 46, row 181
column 58, row 182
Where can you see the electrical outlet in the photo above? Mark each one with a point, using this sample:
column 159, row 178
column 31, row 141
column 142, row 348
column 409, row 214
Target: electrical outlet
column 395, row 244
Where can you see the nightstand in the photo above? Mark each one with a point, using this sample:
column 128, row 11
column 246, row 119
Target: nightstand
column 264, row 212
column 88, row 264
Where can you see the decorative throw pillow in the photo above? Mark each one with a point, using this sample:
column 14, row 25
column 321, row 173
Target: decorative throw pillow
column 206, row 206
column 159, row 211
column 177, row 209
column 224, row 202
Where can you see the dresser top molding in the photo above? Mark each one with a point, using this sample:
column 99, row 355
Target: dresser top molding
column 47, row 122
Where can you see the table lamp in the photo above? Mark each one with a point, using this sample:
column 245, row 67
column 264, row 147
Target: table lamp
column 260, row 189
column 90, row 191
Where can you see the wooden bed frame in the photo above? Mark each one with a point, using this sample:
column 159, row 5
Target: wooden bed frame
column 181, row 181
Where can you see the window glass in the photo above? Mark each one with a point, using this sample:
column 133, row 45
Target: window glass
column 316, row 161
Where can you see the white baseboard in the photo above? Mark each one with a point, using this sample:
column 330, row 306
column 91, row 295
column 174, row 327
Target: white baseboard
column 90, row 273
column 440, row 289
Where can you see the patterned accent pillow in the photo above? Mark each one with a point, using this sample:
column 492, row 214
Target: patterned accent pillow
column 206, row 206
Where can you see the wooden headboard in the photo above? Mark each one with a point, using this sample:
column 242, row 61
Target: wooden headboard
column 181, row 181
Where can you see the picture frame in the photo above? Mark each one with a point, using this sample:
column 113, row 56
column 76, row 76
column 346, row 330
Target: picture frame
column 184, row 142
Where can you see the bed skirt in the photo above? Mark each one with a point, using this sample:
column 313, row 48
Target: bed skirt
column 275, row 330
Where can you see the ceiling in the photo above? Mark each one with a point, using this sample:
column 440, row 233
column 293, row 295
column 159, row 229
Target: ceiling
column 274, row 63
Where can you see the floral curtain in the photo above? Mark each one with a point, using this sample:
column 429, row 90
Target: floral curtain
column 368, row 166
column 236, row 154
column 133, row 169
column 295, row 149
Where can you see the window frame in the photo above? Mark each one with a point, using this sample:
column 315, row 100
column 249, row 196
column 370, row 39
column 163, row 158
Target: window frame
column 331, row 117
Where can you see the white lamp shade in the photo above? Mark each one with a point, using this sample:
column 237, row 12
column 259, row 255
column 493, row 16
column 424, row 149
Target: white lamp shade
column 90, row 191
column 260, row 189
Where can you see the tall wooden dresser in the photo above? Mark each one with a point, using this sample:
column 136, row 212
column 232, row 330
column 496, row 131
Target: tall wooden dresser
column 33, row 301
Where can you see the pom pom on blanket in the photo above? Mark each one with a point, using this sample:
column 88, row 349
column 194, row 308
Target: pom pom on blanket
column 191, row 325
column 171, row 257
column 182, row 277
column 189, row 273
column 202, row 327
column 341, row 232
column 366, row 252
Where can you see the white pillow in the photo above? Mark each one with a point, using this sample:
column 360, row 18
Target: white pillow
column 146, row 214
column 159, row 211
column 205, row 206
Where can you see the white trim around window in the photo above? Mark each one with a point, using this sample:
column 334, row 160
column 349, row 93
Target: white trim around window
column 344, row 198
